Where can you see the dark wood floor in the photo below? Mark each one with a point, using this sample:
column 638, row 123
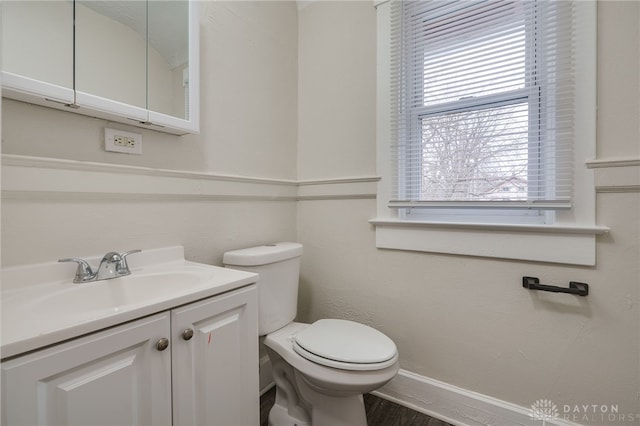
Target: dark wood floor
column 380, row 412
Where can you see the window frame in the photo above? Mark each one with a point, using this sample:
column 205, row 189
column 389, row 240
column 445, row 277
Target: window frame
column 570, row 239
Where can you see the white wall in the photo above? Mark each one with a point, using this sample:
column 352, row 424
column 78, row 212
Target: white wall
column 56, row 208
column 467, row 321
column 337, row 102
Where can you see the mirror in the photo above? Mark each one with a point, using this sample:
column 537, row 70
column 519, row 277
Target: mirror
column 134, row 52
column 37, row 41
column 111, row 50
column 168, row 78
column 129, row 61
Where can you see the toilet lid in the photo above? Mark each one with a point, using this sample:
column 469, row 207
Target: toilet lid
column 345, row 344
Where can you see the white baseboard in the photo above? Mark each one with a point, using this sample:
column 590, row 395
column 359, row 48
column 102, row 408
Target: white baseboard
column 440, row 400
column 458, row 406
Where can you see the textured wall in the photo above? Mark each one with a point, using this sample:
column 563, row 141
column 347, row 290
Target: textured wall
column 463, row 320
column 337, row 90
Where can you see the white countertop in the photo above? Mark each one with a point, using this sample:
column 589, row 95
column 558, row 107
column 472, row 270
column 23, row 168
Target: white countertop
column 40, row 304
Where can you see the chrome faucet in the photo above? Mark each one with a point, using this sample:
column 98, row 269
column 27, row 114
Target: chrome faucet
column 112, row 265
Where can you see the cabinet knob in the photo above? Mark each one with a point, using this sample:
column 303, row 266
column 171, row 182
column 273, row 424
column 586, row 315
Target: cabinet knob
column 162, row 344
column 187, row 334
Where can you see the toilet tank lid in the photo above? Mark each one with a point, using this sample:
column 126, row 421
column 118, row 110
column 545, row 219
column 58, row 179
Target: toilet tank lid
column 262, row 255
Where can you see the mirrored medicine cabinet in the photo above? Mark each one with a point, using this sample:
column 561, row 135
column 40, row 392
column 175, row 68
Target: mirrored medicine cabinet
column 135, row 62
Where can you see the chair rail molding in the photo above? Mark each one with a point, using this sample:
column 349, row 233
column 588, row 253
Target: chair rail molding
column 616, row 175
column 29, row 177
column 26, row 177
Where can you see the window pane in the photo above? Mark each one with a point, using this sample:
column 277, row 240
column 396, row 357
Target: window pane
column 476, row 155
column 476, row 51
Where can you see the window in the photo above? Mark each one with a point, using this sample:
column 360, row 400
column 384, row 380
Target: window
column 484, row 100
column 486, row 115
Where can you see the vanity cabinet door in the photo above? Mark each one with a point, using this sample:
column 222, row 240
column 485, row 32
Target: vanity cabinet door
column 215, row 360
column 114, row 377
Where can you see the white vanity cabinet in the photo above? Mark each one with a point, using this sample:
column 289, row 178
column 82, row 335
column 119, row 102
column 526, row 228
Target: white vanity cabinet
column 126, row 375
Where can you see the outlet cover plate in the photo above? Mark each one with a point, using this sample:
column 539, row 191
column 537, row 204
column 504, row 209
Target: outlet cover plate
column 120, row 141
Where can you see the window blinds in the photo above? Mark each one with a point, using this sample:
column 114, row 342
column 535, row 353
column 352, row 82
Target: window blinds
column 482, row 103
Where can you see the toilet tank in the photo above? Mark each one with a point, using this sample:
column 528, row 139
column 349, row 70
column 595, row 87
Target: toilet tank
column 279, row 268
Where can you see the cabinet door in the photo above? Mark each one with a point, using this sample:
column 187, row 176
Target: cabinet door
column 37, row 50
column 111, row 50
column 114, row 377
column 111, row 58
column 173, row 66
column 215, row 372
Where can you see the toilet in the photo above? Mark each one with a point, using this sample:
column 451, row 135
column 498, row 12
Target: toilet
column 320, row 370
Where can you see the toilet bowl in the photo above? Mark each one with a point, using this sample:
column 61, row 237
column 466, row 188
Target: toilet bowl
column 320, row 370
column 331, row 395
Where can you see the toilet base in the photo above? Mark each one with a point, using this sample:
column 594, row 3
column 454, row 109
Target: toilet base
column 289, row 408
column 332, row 410
column 325, row 410
column 279, row 416
column 299, row 403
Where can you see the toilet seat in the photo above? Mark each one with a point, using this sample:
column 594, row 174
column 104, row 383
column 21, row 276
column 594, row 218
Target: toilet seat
column 346, row 345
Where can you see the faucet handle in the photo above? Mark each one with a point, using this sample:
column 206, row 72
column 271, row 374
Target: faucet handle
column 123, row 260
column 127, row 253
column 84, row 272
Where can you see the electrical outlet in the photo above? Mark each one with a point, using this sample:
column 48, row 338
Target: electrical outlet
column 121, row 141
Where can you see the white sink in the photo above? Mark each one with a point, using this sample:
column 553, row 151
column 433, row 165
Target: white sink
column 41, row 305
column 112, row 295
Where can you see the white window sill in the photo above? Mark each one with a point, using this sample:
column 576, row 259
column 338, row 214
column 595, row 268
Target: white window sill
column 575, row 245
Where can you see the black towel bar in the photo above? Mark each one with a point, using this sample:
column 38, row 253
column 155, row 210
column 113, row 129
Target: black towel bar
column 533, row 283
